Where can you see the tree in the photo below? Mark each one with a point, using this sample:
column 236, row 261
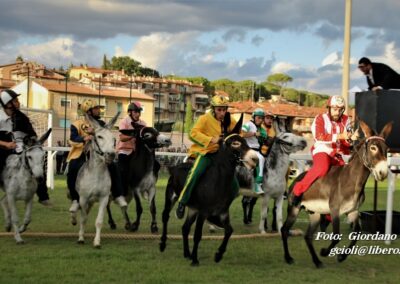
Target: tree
column 279, row 79
column 19, row 58
column 188, row 117
column 106, row 63
column 129, row 65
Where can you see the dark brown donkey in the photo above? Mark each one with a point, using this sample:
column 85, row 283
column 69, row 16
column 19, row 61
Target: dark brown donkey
column 341, row 191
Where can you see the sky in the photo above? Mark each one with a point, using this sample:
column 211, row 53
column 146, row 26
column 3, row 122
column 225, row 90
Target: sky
column 234, row 39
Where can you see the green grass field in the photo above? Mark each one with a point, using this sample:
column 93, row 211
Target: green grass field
column 255, row 260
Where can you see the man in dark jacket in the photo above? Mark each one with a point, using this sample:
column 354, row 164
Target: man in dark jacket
column 20, row 123
column 379, row 75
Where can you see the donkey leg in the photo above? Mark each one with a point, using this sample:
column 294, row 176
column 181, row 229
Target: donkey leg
column 353, row 218
column 14, row 218
column 253, row 201
column 293, row 212
column 99, row 221
column 312, row 227
column 139, row 211
column 7, row 215
column 191, row 217
column 264, row 213
column 111, row 221
column 170, row 200
column 228, row 232
column 277, row 213
column 153, row 211
column 198, row 232
column 245, row 207
column 27, row 217
column 335, row 231
column 84, row 208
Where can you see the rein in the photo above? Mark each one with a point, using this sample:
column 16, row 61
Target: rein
column 98, row 150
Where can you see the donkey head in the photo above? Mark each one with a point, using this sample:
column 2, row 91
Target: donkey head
column 153, row 139
column 290, row 142
column 103, row 142
column 374, row 150
column 237, row 144
column 33, row 154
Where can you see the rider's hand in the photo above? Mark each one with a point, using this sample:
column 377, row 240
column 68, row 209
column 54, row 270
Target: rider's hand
column 257, row 134
column 344, row 135
column 87, row 138
column 355, row 136
column 10, row 145
column 215, row 140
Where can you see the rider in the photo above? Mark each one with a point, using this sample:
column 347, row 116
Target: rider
column 12, row 118
column 255, row 136
column 205, row 134
column 332, row 135
column 81, row 133
column 127, row 144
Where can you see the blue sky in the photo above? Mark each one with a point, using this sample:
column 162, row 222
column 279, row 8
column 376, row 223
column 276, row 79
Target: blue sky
column 232, row 39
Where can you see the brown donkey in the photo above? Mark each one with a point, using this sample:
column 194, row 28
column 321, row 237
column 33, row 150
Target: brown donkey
column 341, row 191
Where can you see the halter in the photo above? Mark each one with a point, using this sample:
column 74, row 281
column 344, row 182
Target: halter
column 236, row 155
column 26, row 162
column 98, row 150
column 366, row 163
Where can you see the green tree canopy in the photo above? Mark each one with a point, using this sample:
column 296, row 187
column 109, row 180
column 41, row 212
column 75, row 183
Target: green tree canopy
column 279, row 79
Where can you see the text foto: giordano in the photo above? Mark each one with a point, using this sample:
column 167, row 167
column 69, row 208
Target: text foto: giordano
column 372, row 237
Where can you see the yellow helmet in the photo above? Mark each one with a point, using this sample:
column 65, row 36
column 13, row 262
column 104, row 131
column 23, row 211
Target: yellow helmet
column 87, row 105
column 219, row 101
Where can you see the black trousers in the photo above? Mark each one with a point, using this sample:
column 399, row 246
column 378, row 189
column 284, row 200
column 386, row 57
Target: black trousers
column 73, row 169
column 123, row 165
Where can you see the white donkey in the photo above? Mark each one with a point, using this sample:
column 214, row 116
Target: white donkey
column 94, row 181
column 20, row 177
column 275, row 170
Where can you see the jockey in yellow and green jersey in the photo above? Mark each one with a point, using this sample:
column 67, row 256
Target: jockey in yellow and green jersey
column 205, row 134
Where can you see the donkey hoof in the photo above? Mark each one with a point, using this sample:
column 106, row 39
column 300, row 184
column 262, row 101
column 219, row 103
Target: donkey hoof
column 97, row 246
column 20, row 242
column 154, row 229
column 162, row 247
column 8, row 228
column 195, row 263
column 289, row 260
column 218, row 257
column 80, row 242
column 128, row 226
column 341, row 257
column 319, row 264
column 324, row 252
column 134, row 227
column 187, row 255
column 113, row 226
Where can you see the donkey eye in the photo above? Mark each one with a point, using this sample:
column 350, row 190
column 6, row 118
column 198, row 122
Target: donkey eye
column 373, row 148
column 236, row 144
column 99, row 137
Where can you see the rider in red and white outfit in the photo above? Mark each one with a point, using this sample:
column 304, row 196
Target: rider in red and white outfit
column 331, row 131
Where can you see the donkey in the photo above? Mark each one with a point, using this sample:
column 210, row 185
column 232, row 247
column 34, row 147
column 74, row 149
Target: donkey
column 94, row 181
column 275, row 172
column 212, row 196
column 20, row 177
column 341, row 191
column 143, row 169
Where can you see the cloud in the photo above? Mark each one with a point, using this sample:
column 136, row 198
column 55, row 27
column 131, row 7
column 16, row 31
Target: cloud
column 60, row 52
column 234, row 35
column 257, row 40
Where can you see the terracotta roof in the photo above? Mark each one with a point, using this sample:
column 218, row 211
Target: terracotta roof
column 277, row 109
column 78, row 89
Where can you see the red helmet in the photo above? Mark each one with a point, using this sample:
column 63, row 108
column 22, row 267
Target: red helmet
column 336, row 101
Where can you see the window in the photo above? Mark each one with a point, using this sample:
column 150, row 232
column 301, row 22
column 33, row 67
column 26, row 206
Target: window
column 65, row 102
column 119, row 107
column 65, row 123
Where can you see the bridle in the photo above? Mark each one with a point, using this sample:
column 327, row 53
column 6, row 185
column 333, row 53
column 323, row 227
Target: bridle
column 26, row 162
column 236, row 154
column 363, row 158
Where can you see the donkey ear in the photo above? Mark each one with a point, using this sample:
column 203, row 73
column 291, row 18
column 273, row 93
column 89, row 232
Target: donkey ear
column 275, row 125
column 366, row 129
column 93, row 122
column 45, row 136
column 386, row 130
column 238, row 126
column 111, row 123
